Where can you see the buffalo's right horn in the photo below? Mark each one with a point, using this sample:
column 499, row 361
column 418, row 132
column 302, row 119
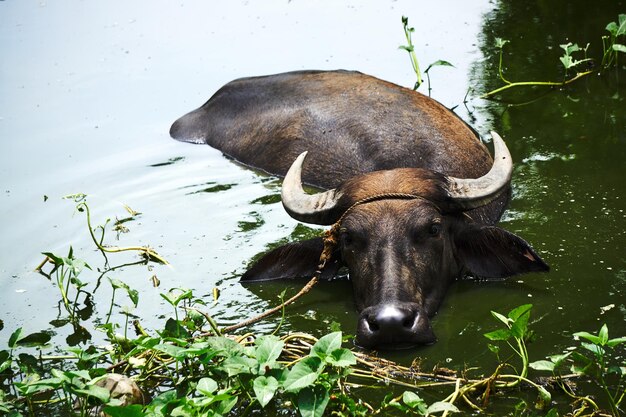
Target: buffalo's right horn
column 320, row 208
column 469, row 193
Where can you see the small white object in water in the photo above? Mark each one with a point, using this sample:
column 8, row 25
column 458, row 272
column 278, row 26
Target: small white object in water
column 606, row 308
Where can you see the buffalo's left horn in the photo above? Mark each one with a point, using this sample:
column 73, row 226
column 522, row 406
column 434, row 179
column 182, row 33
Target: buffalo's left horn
column 317, row 208
column 471, row 193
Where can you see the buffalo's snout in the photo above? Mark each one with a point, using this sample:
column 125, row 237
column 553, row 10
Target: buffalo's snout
column 390, row 326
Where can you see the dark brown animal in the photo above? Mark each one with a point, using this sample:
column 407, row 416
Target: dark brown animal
column 416, row 192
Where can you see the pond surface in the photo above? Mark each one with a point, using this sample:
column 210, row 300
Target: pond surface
column 89, row 89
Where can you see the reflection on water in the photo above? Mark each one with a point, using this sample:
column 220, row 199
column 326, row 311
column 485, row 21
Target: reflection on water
column 170, row 161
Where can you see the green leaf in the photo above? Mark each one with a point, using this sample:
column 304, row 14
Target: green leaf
column 264, row 389
column 312, row 401
column 5, row 362
column 160, row 404
column 501, row 42
column 76, row 266
column 175, row 329
column 207, row 386
column 236, row 365
column 440, row 406
column 558, row 359
column 439, row 63
column 224, row 406
column 14, row 338
column 326, row 345
column 520, row 311
column 603, row 334
column 567, row 61
column 95, row 391
column 500, row 317
column 543, row 399
column 595, row 349
column 280, row 374
column 303, row 374
column 500, row 334
column 176, row 295
column 570, row 47
column 133, row 295
column 619, row 47
column 520, row 326
column 616, row 341
column 544, row 395
column 224, row 346
column 542, row 365
column 268, row 350
column 588, row 336
column 615, row 29
column 117, row 284
column 414, row 401
column 175, row 352
column 582, row 364
column 56, row 260
column 341, row 357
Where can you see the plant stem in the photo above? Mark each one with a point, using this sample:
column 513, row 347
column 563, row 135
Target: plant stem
column 411, row 50
column 111, row 307
column 535, row 83
column 113, row 249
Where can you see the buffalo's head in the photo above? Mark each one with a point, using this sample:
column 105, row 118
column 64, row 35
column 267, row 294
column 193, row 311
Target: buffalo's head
column 404, row 235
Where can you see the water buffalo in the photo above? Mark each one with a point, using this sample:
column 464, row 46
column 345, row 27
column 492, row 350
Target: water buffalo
column 427, row 191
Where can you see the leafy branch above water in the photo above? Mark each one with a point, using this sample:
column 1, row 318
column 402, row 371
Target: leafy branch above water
column 410, row 48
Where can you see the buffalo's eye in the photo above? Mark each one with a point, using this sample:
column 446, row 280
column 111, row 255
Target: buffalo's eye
column 346, row 237
column 434, row 229
column 351, row 239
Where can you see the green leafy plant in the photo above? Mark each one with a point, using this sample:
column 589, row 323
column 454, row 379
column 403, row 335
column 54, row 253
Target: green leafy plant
column 610, row 45
column 194, row 367
column 410, row 48
column 65, row 272
column 593, row 358
column 515, row 334
column 611, row 50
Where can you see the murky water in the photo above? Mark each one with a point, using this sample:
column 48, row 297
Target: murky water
column 88, row 91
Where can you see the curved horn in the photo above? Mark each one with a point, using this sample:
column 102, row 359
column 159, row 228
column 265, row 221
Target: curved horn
column 309, row 208
column 472, row 193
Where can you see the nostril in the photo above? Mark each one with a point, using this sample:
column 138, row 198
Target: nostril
column 372, row 324
column 409, row 320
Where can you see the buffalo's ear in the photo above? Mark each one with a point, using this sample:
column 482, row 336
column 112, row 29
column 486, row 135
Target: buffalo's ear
column 293, row 260
column 491, row 252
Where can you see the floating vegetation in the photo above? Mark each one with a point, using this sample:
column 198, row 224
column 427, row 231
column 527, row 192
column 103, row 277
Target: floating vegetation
column 192, row 366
